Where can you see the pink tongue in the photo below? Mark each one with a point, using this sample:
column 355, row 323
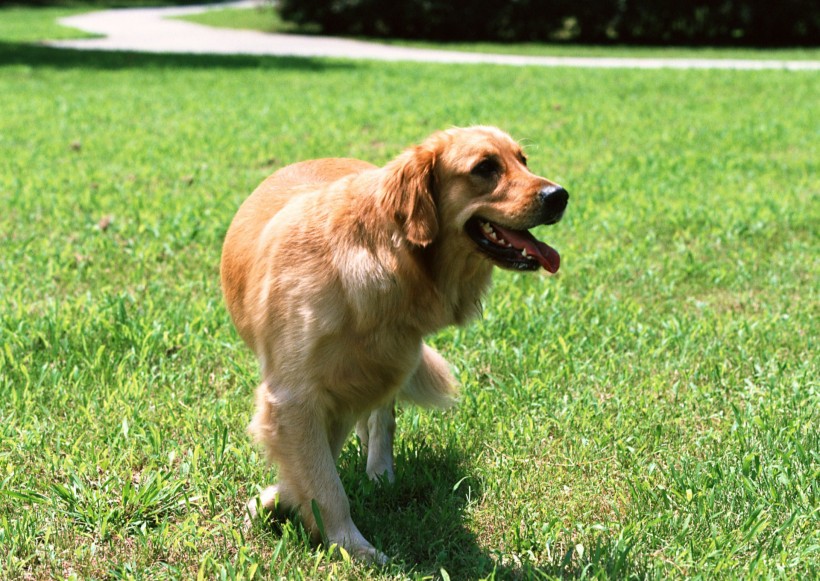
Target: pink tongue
column 523, row 240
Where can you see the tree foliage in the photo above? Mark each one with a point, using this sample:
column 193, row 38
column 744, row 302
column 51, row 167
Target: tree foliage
column 688, row 22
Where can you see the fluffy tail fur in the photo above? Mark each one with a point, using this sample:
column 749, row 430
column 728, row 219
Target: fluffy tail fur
column 432, row 385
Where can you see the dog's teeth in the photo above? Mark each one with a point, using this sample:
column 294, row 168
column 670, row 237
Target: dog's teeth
column 524, row 252
column 492, row 235
column 486, row 227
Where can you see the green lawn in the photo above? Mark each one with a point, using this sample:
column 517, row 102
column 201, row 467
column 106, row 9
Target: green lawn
column 649, row 412
column 263, row 18
column 32, row 25
column 267, row 19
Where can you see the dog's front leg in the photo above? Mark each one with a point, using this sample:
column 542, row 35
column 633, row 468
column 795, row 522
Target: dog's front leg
column 376, row 432
column 301, row 441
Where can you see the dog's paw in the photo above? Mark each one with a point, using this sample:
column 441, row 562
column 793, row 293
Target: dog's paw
column 373, row 556
column 354, row 543
column 266, row 501
column 366, row 553
column 381, row 472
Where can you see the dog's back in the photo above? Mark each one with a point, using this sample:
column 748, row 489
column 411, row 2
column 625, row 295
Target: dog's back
column 265, row 202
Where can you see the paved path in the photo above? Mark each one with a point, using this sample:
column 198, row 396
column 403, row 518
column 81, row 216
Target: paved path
column 152, row 30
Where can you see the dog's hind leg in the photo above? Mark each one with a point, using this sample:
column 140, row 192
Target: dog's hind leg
column 338, row 432
column 376, row 432
column 430, row 385
column 261, row 429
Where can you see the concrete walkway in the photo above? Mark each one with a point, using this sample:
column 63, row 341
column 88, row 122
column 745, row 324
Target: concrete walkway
column 152, row 30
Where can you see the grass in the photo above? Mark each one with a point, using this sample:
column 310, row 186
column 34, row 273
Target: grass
column 267, row 19
column 262, row 18
column 650, row 412
column 32, row 25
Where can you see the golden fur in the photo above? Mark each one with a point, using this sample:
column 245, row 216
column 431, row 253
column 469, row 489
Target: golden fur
column 333, row 271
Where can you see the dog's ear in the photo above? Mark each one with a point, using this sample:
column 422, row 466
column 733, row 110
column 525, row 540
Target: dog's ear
column 407, row 194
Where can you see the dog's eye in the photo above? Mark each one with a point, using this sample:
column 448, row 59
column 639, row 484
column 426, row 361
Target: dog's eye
column 523, row 158
column 486, row 168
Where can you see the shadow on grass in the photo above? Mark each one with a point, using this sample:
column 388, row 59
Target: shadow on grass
column 422, row 519
column 34, row 55
column 422, row 522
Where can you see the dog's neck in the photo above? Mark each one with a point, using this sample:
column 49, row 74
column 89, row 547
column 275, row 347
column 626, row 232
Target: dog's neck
column 459, row 282
column 449, row 278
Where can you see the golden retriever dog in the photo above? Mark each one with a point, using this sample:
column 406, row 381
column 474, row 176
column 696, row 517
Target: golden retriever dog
column 334, row 270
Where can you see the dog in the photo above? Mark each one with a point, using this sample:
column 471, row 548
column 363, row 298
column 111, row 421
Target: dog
column 334, row 270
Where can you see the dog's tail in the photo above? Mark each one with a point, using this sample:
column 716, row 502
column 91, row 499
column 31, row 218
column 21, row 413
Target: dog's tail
column 432, row 384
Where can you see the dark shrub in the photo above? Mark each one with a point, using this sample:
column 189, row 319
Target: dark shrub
column 716, row 22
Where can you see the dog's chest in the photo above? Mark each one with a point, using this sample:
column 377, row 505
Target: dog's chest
column 363, row 369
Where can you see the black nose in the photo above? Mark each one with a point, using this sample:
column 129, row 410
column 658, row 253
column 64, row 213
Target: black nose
column 553, row 203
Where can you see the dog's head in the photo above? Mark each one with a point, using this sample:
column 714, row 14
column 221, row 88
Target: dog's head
column 474, row 184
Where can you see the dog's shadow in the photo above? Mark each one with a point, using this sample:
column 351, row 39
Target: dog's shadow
column 421, row 519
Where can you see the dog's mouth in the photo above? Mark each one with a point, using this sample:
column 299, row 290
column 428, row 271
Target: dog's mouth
column 512, row 249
